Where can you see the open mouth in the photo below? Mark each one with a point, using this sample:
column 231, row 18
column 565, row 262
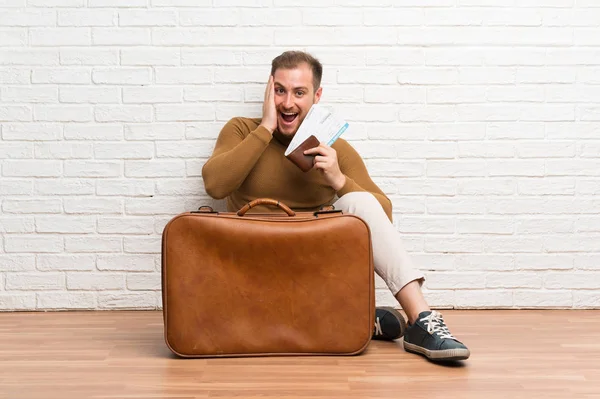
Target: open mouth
column 288, row 117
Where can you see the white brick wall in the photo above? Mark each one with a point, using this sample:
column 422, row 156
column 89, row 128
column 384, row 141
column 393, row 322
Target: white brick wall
column 479, row 118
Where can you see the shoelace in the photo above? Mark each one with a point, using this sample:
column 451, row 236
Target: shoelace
column 435, row 325
column 378, row 330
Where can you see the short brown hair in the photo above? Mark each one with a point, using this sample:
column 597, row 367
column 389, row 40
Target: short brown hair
column 291, row 59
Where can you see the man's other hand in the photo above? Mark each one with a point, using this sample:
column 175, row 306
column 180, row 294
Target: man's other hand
column 326, row 162
column 269, row 114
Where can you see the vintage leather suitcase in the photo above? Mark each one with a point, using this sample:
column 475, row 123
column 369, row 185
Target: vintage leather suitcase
column 283, row 283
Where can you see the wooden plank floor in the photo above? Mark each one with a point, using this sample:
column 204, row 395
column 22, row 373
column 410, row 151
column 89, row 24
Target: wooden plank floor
column 514, row 354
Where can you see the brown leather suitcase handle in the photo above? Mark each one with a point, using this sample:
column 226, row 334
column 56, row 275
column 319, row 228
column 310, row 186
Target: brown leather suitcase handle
column 265, row 201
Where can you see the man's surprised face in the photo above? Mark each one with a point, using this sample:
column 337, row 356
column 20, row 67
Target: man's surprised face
column 294, row 95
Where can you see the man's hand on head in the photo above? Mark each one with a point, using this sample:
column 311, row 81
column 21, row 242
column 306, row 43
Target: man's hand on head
column 269, row 115
column 326, row 162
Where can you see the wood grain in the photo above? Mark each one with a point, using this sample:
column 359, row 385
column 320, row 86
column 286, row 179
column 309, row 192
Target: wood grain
column 514, row 354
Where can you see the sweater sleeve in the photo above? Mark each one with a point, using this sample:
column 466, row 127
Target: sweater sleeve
column 357, row 176
column 233, row 158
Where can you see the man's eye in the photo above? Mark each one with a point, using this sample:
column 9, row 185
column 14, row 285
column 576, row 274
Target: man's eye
column 299, row 93
column 279, row 90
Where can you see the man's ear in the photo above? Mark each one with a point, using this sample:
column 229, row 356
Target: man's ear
column 318, row 94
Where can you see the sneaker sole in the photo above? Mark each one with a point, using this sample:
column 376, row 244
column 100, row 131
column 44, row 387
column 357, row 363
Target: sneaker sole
column 444, row 354
column 399, row 317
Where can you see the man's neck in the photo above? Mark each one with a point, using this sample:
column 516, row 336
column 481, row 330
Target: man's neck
column 284, row 140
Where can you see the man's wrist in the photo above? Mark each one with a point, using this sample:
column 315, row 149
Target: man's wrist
column 340, row 183
column 269, row 129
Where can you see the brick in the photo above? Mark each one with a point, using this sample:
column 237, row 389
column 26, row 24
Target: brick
column 65, row 224
column 29, row 94
column 183, row 75
column 92, row 169
column 571, row 243
column 572, row 168
column 12, row 75
column 89, row 56
column 118, row 3
column 17, row 263
column 99, row 132
column 426, row 225
column 28, row 57
column 547, row 186
column 92, row 95
column 435, row 262
column 21, row 168
column 31, row 132
column 34, row 282
column 185, row 149
column 222, row 93
column 93, row 244
column 485, row 262
column 513, row 280
column 147, row 18
column 154, row 206
column 456, row 168
column 123, row 150
column 128, row 188
column 586, row 299
column 446, row 280
column 543, row 299
column 123, row 300
column 66, row 262
column 62, row 76
column 154, row 168
column 62, row 113
column 544, row 225
column 448, row 206
column 95, row 281
column 150, row 57
column 430, row 187
column 9, row 224
column 14, row 113
column 16, row 150
column 63, row 150
column 130, row 263
column 515, row 168
column 486, row 149
column 56, row 3
column 66, row 301
column 60, row 37
column 578, row 280
column 96, row 205
column 208, row 56
column 453, row 245
column 513, row 244
column 484, row 226
column 149, row 245
column 122, row 76
column 154, row 131
column 484, row 299
column 144, row 282
column 32, row 206
column 14, row 301
column 151, row 95
column 215, row 17
column 120, row 36
column 544, row 262
column 86, row 17
column 125, row 225
column 16, row 37
column 33, row 244
column 455, row 131
column 510, row 130
column 123, row 113
column 456, row 95
column 387, row 94
column 183, row 113
column 15, row 187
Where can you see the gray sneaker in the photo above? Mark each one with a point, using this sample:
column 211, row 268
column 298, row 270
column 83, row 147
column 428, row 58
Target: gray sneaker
column 430, row 337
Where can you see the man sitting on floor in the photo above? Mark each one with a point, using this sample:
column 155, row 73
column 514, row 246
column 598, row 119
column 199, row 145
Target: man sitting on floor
column 248, row 162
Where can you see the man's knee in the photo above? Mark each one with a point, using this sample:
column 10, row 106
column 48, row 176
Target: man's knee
column 358, row 202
